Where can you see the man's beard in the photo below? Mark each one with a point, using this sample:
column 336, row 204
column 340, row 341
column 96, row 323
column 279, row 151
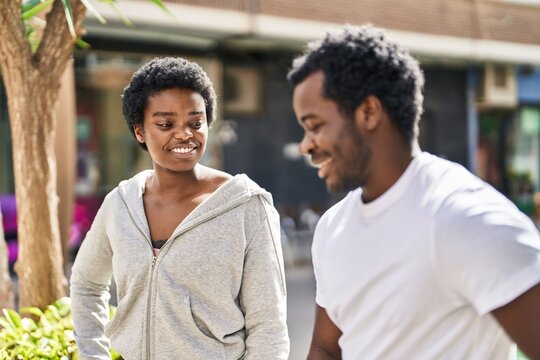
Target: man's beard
column 354, row 171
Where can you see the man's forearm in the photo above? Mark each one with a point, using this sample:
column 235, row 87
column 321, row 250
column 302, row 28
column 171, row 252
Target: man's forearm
column 320, row 354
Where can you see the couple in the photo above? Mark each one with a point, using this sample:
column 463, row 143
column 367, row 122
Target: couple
column 420, row 260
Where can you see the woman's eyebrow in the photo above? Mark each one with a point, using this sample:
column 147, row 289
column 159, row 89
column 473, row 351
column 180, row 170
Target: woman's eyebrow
column 163, row 113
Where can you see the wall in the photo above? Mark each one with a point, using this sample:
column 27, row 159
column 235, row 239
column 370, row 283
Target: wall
column 261, row 138
column 443, row 128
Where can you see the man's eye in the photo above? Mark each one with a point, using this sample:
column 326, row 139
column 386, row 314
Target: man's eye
column 197, row 124
column 313, row 128
column 164, row 125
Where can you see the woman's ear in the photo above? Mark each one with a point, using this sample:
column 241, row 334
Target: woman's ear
column 139, row 133
column 368, row 114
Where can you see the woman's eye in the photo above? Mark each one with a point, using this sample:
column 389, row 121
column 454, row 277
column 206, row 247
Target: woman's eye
column 197, row 124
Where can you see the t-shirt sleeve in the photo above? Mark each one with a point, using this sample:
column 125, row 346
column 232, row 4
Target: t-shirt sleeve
column 487, row 252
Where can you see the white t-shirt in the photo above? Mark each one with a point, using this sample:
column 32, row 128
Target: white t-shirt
column 415, row 273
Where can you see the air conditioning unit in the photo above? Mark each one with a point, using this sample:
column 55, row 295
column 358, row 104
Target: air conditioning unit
column 497, row 87
column 243, row 90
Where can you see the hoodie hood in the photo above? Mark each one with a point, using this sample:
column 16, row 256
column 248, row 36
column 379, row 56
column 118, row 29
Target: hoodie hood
column 234, row 192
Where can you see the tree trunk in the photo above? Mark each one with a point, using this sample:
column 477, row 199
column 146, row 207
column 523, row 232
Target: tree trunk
column 66, row 152
column 39, row 268
column 6, row 287
column 32, row 82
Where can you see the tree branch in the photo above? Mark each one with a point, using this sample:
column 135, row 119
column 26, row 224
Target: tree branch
column 14, row 47
column 56, row 46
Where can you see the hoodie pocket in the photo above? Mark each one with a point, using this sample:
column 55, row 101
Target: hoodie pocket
column 179, row 333
column 112, row 325
column 202, row 333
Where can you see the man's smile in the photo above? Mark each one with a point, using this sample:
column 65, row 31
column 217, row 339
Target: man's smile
column 321, row 164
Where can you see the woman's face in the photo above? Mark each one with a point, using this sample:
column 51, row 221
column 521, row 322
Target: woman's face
column 174, row 129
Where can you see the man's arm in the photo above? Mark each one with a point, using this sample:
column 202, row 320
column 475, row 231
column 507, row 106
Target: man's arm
column 324, row 344
column 521, row 321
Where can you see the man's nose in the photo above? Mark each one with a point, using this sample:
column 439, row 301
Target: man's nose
column 306, row 145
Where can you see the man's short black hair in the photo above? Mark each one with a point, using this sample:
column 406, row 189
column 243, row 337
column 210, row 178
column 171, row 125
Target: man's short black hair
column 161, row 74
column 358, row 62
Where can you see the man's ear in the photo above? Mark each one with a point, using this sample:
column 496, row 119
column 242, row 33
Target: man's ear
column 139, row 133
column 368, row 114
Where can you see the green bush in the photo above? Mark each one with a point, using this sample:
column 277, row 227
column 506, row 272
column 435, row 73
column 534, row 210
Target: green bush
column 51, row 337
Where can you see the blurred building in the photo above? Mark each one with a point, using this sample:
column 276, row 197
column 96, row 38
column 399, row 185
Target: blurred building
column 481, row 59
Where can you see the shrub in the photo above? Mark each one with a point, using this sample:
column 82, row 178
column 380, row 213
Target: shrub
column 51, row 337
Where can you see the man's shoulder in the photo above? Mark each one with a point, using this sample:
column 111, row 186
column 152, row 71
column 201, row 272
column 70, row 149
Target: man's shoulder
column 459, row 199
column 444, row 182
column 443, row 172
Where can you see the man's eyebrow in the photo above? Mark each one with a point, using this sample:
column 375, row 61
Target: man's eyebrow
column 163, row 113
column 196, row 113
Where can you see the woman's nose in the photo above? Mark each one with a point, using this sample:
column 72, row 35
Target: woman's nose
column 183, row 133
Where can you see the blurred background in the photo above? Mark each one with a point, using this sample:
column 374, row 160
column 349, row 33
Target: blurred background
column 481, row 59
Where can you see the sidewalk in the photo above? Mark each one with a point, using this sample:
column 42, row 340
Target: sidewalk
column 300, row 308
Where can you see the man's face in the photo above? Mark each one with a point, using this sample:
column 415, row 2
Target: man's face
column 331, row 140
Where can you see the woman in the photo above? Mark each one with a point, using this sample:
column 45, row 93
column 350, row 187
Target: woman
column 195, row 253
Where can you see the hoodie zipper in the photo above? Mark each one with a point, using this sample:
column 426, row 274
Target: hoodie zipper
column 152, row 266
column 149, row 304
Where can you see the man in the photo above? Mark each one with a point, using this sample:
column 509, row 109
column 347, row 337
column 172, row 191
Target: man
column 421, row 260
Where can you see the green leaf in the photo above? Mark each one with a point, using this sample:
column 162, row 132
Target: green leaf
column 123, row 17
column 54, row 312
column 69, row 16
column 29, row 4
column 37, row 334
column 63, row 305
column 113, row 3
column 6, row 325
column 162, row 6
column 115, row 355
column 35, row 8
column 32, row 310
column 45, row 323
column 13, row 317
column 82, row 44
column 28, row 324
column 98, row 16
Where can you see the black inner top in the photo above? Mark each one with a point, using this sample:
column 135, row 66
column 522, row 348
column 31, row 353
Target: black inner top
column 158, row 244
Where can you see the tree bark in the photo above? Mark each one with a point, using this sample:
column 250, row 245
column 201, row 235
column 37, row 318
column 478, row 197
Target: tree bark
column 32, row 84
column 39, row 265
column 66, row 152
column 6, row 287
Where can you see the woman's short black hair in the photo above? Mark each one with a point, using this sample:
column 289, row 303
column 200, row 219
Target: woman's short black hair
column 360, row 61
column 161, row 74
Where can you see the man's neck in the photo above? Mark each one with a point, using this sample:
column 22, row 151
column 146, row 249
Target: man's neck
column 386, row 171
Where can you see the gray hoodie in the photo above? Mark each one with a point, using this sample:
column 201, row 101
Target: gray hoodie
column 215, row 291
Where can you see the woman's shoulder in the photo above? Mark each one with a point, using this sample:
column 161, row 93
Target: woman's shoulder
column 214, row 178
column 219, row 177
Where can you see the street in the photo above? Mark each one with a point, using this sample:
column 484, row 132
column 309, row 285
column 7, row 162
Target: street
column 300, row 310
